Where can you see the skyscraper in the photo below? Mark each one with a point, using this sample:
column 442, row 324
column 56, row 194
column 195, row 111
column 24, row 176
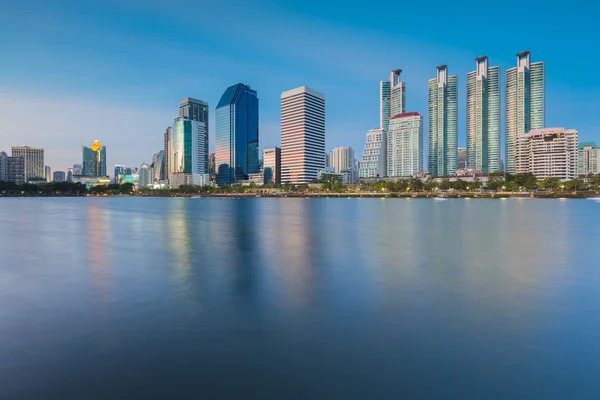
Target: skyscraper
column 272, row 165
column 405, row 145
column 392, row 98
column 302, row 135
column 443, row 123
column 236, row 147
column 3, row 166
column 195, row 110
column 94, row 160
column 167, row 171
column 158, row 168
column 341, row 159
column 525, row 103
column 48, row 173
column 187, row 156
column 483, row 117
column 462, row 158
column 33, row 159
column 374, row 158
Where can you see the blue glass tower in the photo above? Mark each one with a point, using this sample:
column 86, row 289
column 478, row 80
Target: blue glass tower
column 236, row 146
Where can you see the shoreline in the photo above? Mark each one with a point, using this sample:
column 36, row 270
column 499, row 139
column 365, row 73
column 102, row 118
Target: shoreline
column 406, row 195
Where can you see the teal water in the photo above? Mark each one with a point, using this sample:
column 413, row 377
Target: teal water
column 299, row 298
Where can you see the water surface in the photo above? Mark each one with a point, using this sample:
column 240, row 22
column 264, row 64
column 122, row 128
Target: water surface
column 299, row 298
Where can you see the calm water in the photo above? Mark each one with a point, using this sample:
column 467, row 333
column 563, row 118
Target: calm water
column 296, row 298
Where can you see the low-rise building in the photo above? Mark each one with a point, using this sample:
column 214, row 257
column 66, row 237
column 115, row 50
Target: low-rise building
column 588, row 160
column 548, row 153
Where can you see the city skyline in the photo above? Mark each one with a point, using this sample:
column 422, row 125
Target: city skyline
column 68, row 95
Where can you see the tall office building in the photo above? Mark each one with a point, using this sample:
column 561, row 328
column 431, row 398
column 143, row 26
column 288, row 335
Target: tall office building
column 483, row 117
column 77, row 169
column 58, row 176
column 405, row 145
column 12, row 169
column 33, row 159
column 187, row 156
column 302, row 135
column 158, row 168
column 272, row 165
column 443, row 123
column 48, row 173
column 374, row 158
column 392, row 98
column 548, row 153
column 167, row 171
column 525, row 104
column 195, row 110
column 236, row 147
column 94, row 160
column 588, row 159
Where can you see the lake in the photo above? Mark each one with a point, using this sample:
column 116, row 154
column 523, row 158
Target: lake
column 299, row 298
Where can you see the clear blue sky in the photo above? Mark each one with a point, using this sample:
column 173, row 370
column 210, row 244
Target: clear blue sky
column 115, row 70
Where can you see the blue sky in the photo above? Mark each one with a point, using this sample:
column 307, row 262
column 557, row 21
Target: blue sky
column 75, row 71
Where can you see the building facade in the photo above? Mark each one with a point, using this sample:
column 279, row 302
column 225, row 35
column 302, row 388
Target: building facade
column 144, row 176
column 272, row 165
column 548, row 153
column 587, row 159
column 405, row 145
column 236, row 148
column 158, row 168
column 3, row 166
column 525, row 104
column 187, row 156
column 483, row 117
column 59, row 176
column 195, row 110
column 33, row 159
column 373, row 164
column 461, row 158
column 443, row 123
column 12, row 169
column 94, row 160
column 302, row 135
column 342, row 161
column 48, row 173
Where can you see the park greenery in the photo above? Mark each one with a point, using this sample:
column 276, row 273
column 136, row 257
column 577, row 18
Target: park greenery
column 496, row 182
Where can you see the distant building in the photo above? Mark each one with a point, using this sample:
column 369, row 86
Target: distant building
column 33, row 159
column 196, row 110
column 405, row 145
column 443, row 123
column 392, row 98
column 70, row 175
column 144, row 176
column 188, row 159
column 341, row 158
column 462, row 158
column 548, row 153
column 77, row 169
column 94, row 160
column 158, row 169
column 588, row 160
column 90, row 181
column 117, row 172
column 48, row 174
column 502, row 165
column 374, row 159
column 12, row 169
column 236, row 135
column 58, row 176
column 302, row 135
column 166, row 165
column 525, row 104
column 272, row 165
column 483, row 117
column 211, row 164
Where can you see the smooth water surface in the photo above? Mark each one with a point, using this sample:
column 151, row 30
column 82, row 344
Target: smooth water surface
column 297, row 298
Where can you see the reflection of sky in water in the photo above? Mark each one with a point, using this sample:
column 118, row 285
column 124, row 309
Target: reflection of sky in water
column 464, row 293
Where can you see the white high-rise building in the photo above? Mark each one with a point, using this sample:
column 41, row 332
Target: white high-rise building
column 341, row 158
column 548, row 153
column 33, row 159
column 392, row 98
column 302, row 135
column 588, row 159
column 483, row 117
column 405, row 145
column 373, row 163
column 525, row 103
column 145, row 176
column 443, row 123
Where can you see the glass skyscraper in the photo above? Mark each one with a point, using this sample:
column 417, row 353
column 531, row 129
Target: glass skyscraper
column 392, row 98
column 187, row 156
column 525, row 104
column 236, row 146
column 443, row 123
column 483, row 117
column 94, row 160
